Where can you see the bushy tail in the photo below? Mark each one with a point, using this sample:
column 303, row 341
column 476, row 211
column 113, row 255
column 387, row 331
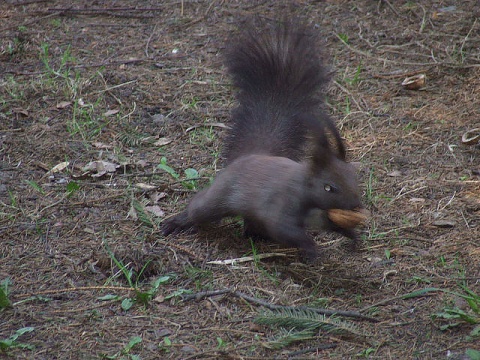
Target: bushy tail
column 279, row 74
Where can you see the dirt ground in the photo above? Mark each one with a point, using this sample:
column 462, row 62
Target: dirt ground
column 105, row 105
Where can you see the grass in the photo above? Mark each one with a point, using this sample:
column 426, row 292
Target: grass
column 370, row 193
column 4, row 292
column 60, row 80
column 63, row 81
column 133, row 278
column 454, row 316
column 189, row 178
column 126, row 351
column 12, row 341
column 202, row 278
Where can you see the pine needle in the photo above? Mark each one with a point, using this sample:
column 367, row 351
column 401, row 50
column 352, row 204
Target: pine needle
column 303, row 324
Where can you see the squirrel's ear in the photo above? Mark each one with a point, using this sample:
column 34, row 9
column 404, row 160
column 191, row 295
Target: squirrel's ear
column 319, row 125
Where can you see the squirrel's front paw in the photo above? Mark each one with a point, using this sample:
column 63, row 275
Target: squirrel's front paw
column 176, row 224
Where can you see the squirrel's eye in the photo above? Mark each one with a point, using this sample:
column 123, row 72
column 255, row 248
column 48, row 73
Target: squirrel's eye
column 329, row 188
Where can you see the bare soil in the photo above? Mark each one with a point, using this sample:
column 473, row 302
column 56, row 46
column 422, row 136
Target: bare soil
column 127, row 83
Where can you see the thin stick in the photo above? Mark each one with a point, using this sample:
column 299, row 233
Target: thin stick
column 251, row 299
column 74, row 289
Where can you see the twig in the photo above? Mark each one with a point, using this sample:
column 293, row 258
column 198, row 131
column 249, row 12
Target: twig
column 29, row 2
column 393, row 9
column 54, row 204
column 401, row 193
column 81, row 288
column 467, row 36
column 385, row 60
column 30, row 22
column 386, row 301
column 83, row 66
column 251, row 299
column 181, row 248
column 245, row 259
column 101, row 10
column 448, row 203
column 402, row 75
column 311, row 350
column 114, row 87
column 148, row 41
column 215, row 124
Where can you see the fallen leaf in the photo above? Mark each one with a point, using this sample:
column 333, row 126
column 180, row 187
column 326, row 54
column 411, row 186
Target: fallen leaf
column 59, row 167
column 156, row 196
column 159, row 299
column 141, row 163
column 100, row 145
column 444, row 223
column 111, row 112
column 132, row 213
column 164, row 331
column 101, row 165
column 146, row 187
column 21, row 111
column 162, row 141
column 395, row 173
column 155, row 210
column 89, row 230
column 100, row 168
column 63, row 104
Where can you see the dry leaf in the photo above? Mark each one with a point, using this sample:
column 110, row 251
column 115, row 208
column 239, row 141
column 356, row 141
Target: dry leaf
column 141, row 163
column 146, row 187
column 21, row 111
column 100, row 145
column 395, row 173
column 155, row 210
column 132, row 213
column 159, row 299
column 100, row 168
column 162, row 141
column 444, row 223
column 59, row 167
column 156, row 196
column 111, row 112
column 63, row 104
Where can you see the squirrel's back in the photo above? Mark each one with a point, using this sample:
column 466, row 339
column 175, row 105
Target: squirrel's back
column 279, row 74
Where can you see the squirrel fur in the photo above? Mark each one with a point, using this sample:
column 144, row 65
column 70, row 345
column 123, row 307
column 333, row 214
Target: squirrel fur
column 271, row 179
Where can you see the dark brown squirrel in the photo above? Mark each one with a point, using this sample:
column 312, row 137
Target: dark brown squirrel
column 267, row 180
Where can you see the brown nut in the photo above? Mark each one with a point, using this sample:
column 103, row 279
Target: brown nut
column 471, row 137
column 414, row 82
column 347, row 218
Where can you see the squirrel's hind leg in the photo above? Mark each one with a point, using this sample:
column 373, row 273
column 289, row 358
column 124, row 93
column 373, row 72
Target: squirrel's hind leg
column 203, row 208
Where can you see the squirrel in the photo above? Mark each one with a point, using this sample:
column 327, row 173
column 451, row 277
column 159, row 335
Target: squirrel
column 269, row 180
